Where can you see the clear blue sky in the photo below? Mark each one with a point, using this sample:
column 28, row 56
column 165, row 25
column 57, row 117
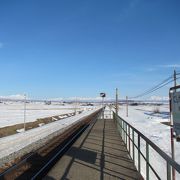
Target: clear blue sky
column 65, row 48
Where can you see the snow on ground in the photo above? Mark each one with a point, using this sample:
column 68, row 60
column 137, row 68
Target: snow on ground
column 12, row 113
column 14, row 143
column 149, row 123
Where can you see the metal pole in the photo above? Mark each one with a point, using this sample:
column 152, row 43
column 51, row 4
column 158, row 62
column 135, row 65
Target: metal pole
column 24, row 112
column 139, row 155
column 76, row 106
column 175, row 78
column 147, row 161
column 103, row 108
column 172, row 135
column 117, row 101
column 127, row 106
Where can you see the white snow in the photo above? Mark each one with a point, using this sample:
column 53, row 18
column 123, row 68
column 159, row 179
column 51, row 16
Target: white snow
column 14, row 143
column 12, row 113
column 149, row 123
column 20, row 130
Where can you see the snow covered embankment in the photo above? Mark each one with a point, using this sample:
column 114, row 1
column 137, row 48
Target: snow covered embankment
column 20, row 144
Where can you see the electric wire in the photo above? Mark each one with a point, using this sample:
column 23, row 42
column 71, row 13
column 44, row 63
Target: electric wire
column 161, row 85
column 155, row 87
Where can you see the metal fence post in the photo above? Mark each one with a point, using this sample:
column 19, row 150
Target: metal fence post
column 126, row 137
column 168, row 171
column 123, row 136
column 147, row 161
column 120, row 126
column 124, row 132
column 133, row 146
column 129, row 140
column 139, row 155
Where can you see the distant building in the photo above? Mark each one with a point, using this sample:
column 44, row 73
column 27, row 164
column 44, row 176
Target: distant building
column 47, row 102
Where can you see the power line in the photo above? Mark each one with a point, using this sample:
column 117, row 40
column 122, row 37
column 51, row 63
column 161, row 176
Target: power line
column 177, row 73
column 163, row 83
column 157, row 87
column 159, row 84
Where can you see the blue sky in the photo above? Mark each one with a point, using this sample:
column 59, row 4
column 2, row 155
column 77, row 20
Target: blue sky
column 70, row 48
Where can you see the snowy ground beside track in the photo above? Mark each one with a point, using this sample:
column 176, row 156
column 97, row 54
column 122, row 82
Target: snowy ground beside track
column 147, row 122
column 12, row 113
column 14, row 143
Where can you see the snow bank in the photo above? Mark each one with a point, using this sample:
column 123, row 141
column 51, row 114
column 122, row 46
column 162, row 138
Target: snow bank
column 12, row 113
column 22, row 143
column 149, row 123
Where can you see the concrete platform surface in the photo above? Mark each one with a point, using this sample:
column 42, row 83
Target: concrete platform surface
column 99, row 154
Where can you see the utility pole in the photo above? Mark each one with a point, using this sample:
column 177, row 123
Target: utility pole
column 117, row 101
column 175, row 78
column 24, row 112
column 127, row 114
column 172, row 130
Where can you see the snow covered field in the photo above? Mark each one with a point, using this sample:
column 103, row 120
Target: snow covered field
column 11, row 145
column 12, row 113
column 149, row 123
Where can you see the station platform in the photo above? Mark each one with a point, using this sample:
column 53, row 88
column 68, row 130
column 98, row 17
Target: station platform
column 99, row 154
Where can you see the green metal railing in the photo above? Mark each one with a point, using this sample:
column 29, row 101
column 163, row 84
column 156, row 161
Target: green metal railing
column 128, row 134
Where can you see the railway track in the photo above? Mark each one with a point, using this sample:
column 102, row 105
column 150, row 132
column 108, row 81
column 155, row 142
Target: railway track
column 37, row 164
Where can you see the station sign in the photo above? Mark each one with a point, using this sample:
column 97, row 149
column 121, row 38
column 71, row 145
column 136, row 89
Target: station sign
column 175, row 110
column 103, row 95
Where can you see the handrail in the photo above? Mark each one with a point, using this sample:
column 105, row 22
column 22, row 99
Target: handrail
column 125, row 126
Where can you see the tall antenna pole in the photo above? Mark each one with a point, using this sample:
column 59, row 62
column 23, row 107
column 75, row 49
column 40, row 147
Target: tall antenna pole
column 117, row 101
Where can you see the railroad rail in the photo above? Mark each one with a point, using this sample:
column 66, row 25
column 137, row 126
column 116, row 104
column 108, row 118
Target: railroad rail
column 36, row 164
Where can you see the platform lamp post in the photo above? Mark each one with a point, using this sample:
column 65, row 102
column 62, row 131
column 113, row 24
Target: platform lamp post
column 103, row 95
